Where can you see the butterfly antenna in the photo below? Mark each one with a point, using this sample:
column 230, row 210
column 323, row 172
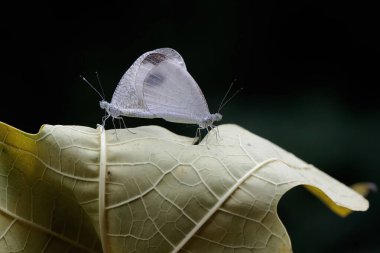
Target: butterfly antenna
column 228, row 100
column 100, row 84
column 224, row 101
column 225, row 96
column 84, row 79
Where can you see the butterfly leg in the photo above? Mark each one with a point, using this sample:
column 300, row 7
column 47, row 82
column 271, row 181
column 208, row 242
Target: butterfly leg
column 218, row 133
column 114, row 128
column 215, row 129
column 198, row 136
column 104, row 119
column 105, row 114
column 208, row 132
column 125, row 126
column 219, row 137
column 122, row 120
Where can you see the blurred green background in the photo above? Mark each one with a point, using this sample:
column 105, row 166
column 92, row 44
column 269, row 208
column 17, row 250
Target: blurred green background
column 309, row 72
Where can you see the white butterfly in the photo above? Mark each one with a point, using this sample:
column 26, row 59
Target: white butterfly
column 158, row 85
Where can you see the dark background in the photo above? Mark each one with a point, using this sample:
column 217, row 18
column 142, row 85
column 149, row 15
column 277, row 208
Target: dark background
column 309, row 72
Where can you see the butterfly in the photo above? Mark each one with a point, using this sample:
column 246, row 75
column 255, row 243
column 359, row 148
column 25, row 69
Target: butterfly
column 158, row 85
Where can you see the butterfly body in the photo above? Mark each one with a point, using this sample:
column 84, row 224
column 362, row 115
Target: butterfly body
column 115, row 112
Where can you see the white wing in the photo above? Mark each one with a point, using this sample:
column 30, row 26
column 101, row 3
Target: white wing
column 128, row 93
column 171, row 93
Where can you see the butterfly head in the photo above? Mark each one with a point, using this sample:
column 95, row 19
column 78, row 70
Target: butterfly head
column 111, row 109
column 104, row 105
column 217, row 117
column 209, row 120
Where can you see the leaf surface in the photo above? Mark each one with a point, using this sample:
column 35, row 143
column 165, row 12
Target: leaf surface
column 78, row 189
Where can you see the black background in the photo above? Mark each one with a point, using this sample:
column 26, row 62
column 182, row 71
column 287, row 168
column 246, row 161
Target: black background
column 309, row 72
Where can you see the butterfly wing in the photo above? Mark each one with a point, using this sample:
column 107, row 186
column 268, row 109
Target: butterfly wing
column 128, row 93
column 170, row 92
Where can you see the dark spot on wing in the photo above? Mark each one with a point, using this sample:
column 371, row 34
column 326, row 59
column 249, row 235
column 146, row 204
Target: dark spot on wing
column 154, row 58
column 154, row 79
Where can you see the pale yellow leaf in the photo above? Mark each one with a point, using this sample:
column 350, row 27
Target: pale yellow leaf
column 68, row 188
